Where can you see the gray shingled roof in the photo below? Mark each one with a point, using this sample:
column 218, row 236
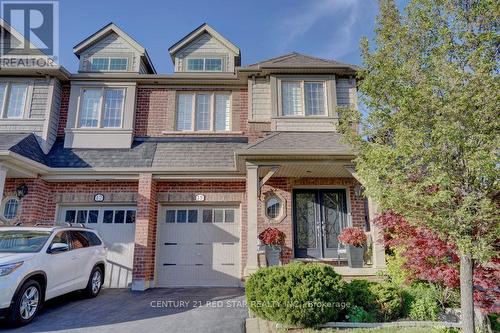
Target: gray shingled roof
column 297, row 60
column 24, row 144
column 299, row 142
column 172, row 153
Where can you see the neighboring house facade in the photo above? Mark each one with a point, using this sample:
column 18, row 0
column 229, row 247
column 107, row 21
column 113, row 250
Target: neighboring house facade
column 181, row 172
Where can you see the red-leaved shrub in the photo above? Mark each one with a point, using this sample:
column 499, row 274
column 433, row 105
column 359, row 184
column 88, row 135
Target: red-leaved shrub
column 430, row 258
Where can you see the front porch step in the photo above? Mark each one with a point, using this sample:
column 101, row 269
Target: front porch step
column 364, row 273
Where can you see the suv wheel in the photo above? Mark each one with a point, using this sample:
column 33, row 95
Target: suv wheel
column 95, row 282
column 26, row 303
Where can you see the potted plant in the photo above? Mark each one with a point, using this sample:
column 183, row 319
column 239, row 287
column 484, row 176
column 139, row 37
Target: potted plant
column 273, row 240
column 354, row 239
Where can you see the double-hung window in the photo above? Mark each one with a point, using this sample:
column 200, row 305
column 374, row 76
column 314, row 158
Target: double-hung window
column 204, row 64
column 203, row 112
column 13, row 100
column 303, row 98
column 101, row 108
column 109, row 64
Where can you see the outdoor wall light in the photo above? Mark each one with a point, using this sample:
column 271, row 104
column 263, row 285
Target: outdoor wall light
column 21, row 191
column 358, row 191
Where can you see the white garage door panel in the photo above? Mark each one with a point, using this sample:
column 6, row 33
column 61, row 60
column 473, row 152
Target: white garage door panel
column 118, row 236
column 204, row 251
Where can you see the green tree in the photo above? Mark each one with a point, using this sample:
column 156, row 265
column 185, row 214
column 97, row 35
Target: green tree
column 429, row 143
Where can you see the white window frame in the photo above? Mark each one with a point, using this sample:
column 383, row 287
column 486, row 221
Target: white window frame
column 302, row 84
column 200, row 208
column 5, row 102
column 204, row 64
column 212, row 111
column 100, row 118
column 109, row 64
column 4, row 203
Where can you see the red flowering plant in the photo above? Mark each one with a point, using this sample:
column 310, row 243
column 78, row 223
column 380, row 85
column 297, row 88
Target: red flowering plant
column 273, row 237
column 353, row 236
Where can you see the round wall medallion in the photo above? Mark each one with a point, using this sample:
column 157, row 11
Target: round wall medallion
column 99, row 198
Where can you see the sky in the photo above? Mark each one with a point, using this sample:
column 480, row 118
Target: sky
column 262, row 29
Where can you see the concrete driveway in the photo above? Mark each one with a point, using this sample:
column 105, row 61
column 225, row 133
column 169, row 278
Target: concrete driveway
column 156, row 310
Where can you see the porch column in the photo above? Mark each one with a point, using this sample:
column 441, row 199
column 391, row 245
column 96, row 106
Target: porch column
column 378, row 246
column 252, row 197
column 145, row 233
column 3, row 176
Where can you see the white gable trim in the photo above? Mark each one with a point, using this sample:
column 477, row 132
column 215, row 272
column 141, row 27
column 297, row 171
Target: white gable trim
column 17, row 35
column 91, row 40
column 198, row 32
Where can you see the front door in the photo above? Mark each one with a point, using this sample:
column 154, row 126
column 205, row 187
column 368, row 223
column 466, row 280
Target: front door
column 319, row 216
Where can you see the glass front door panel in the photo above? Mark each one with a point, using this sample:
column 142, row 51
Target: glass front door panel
column 319, row 217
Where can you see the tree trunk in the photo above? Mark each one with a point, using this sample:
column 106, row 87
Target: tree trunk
column 466, row 293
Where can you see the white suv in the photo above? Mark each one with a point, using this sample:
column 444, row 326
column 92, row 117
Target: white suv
column 40, row 263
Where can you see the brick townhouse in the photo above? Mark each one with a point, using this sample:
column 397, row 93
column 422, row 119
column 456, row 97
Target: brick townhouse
column 180, row 172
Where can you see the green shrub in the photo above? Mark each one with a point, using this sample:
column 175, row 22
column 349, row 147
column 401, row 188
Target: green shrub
column 296, row 294
column 382, row 301
column 360, row 294
column 357, row 314
column 389, row 301
column 421, row 302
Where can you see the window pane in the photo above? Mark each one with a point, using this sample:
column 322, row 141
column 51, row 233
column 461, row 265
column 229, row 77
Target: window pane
column 70, row 216
column 93, row 215
column 195, row 64
column 17, row 99
column 108, row 216
column 218, row 215
column 229, row 218
column 181, row 216
column 222, row 113
column 192, row 216
column 202, row 112
column 273, row 205
column 100, row 64
column 10, row 209
column 184, row 112
column 113, row 105
column 93, row 239
column 89, row 109
column 81, row 216
column 314, row 98
column 118, row 64
column 207, row 216
column 3, row 87
column 130, row 218
column 213, row 64
column 170, row 216
column 119, row 216
column 78, row 240
column 291, row 98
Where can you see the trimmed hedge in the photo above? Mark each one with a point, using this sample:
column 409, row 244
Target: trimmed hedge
column 297, row 294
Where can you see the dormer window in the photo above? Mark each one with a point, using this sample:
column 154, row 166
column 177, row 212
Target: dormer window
column 204, row 64
column 101, row 108
column 303, row 98
column 109, row 64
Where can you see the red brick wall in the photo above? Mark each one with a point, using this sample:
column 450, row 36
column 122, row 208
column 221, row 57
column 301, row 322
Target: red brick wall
column 156, row 107
column 145, row 229
column 284, row 187
column 63, row 111
column 39, row 205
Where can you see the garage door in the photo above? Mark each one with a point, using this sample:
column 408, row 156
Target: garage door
column 116, row 226
column 198, row 246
